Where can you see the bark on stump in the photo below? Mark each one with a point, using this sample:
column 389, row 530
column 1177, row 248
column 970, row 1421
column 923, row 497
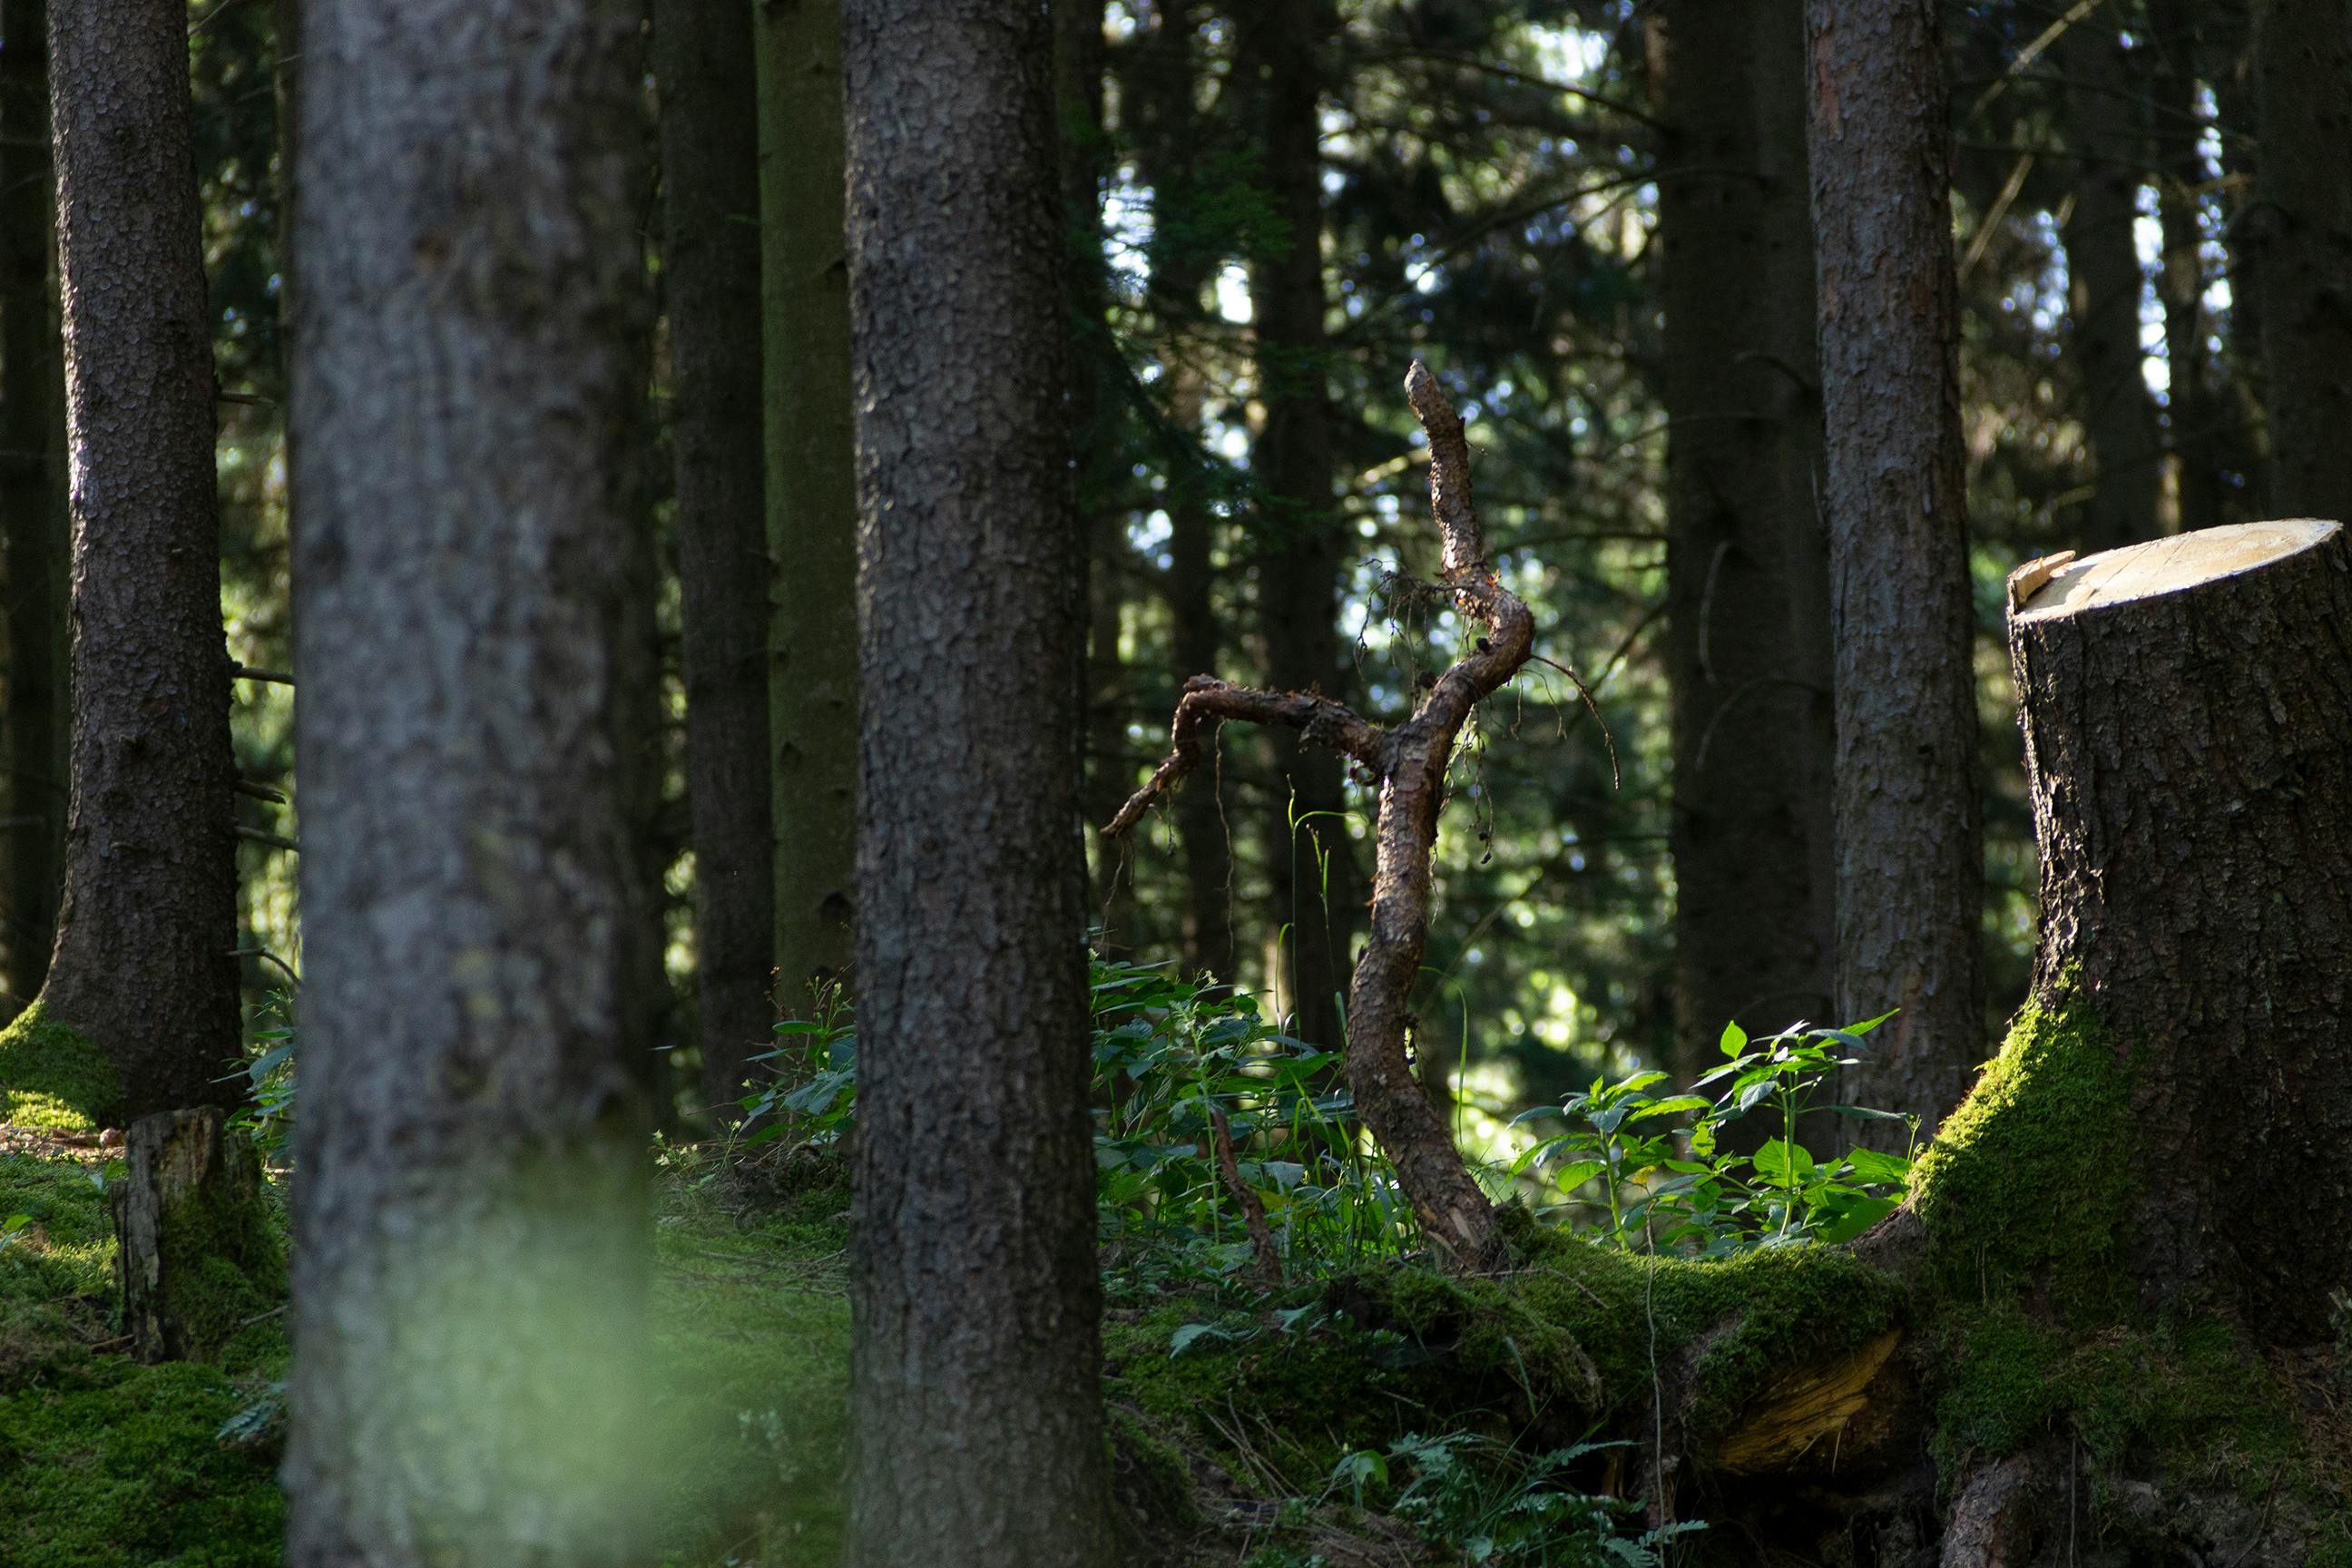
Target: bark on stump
column 192, row 1246
column 2188, row 712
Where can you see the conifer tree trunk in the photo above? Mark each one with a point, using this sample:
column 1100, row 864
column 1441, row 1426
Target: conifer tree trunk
column 1158, row 76
column 976, row 1412
column 2104, row 284
column 812, row 493
column 2302, row 61
column 2186, row 705
column 1908, row 876
column 32, row 501
column 2196, row 420
column 710, row 261
column 470, row 1220
column 1316, row 888
column 1748, row 562
column 145, row 963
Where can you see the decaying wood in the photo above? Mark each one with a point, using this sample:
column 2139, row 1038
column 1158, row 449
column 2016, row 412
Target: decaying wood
column 176, row 1208
column 1409, row 763
column 1245, row 1198
column 1810, row 1412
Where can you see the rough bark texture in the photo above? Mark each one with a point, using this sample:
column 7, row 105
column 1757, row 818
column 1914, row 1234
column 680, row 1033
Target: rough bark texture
column 976, row 1411
column 471, row 1250
column 1457, row 1221
column 189, row 1226
column 812, row 493
column 2302, row 60
column 1156, row 80
column 32, row 500
column 2185, row 746
column 1316, row 889
column 145, row 963
column 2104, row 284
column 1747, row 555
column 1909, row 872
column 704, row 63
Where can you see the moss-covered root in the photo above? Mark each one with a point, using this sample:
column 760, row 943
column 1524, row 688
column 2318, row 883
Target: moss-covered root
column 52, row 1076
column 198, row 1253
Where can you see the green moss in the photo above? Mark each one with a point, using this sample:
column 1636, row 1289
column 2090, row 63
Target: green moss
column 224, row 1255
column 2032, row 1179
column 52, row 1076
column 1153, row 1483
column 125, row 1467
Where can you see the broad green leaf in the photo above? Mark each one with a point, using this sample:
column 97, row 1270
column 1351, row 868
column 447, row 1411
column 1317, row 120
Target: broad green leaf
column 1734, row 1040
column 1680, row 1102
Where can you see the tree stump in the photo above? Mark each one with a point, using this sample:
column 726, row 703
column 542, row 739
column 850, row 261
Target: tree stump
column 196, row 1254
column 2187, row 715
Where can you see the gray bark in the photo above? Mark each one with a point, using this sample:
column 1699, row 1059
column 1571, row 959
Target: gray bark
column 812, row 493
column 470, row 1242
column 975, row 1405
column 704, row 63
column 188, row 1211
column 2302, row 62
column 1747, row 555
column 143, row 963
column 1316, row 888
column 2104, row 284
column 33, row 529
column 1909, row 831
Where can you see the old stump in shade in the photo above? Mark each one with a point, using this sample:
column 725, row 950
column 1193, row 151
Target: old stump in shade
column 196, row 1254
column 2188, row 715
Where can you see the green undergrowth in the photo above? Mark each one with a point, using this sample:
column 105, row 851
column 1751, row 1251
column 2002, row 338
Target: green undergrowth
column 51, row 1077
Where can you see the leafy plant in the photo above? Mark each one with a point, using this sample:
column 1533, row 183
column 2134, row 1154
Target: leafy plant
column 1501, row 1509
column 1670, row 1186
column 266, row 1117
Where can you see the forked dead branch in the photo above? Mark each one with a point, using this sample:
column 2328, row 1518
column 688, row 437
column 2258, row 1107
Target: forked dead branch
column 1409, row 763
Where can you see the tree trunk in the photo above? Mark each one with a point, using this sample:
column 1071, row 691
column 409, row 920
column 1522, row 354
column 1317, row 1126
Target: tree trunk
column 1078, row 62
column 2302, row 58
column 2185, row 706
column 710, row 261
column 1908, row 874
column 2229, row 66
column 193, row 1248
column 975, row 1406
column 1316, row 889
column 2104, row 284
column 32, row 501
column 466, row 385
column 1747, row 570
column 2198, row 427
column 812, row 494
column 144, row 965
column 1158, row 78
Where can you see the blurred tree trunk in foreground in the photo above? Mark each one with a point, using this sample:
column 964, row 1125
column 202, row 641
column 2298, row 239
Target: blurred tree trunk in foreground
column 976, row 1408
column 470, row 1221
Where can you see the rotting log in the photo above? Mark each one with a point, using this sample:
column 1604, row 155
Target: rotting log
column 2187, row 715
column 1409, row 762
column 193, row 1248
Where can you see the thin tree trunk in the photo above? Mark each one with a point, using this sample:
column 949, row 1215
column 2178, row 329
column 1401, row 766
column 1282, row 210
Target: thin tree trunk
column 467, row 387
column 1078, row 62
column 704, row 64
column 1317, row 890
column 2197, row 422
column 2185, row 706
column 2229, row 66
column 975, row 1402
column 32, row 500
column 1748, row 564
column 1909, row 876
column 812, row 494
column 2104, row 284
column 2302, row 61
column 145, row 963
column 1156, row 98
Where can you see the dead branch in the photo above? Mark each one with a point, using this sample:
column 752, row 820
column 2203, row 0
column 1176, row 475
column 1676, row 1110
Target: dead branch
column 1409, row 763
column 1252, row 1207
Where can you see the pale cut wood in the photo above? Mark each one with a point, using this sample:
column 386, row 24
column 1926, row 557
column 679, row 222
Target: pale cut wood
column 2165, row 565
